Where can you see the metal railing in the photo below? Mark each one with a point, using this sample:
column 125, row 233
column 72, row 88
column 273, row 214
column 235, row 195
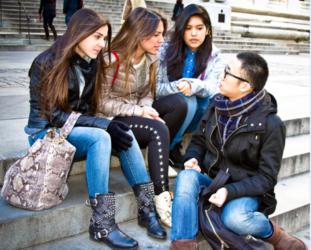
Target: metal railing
column 22, row 7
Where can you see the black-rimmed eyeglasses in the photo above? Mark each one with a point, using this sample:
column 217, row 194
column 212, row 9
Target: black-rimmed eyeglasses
column 226, row 72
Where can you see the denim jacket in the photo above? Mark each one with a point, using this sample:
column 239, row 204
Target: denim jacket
column 203, row 86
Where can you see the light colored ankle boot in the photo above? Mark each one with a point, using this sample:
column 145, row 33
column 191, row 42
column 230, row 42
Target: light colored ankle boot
column 163, row 204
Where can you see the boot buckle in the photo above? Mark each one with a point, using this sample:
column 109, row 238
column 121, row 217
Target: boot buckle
column 103, row 233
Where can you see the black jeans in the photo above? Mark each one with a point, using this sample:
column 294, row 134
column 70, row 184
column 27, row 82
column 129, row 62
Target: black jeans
column 156, row 136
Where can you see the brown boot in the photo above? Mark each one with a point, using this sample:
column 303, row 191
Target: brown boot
column 281, row 240
column 184, row 245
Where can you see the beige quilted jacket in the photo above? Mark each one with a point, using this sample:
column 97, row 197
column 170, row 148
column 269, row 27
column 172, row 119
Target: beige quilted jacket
column 119, row 100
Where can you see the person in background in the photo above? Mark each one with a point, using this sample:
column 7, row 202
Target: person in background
column 130, row 97
column 130, row 5
column 190, row 66
column 70, row 7
column 68, row 77
column 178, row 8
column 47, row 10
column 241, row 132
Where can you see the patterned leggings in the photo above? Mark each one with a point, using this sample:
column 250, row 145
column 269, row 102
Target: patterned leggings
column 156, row 136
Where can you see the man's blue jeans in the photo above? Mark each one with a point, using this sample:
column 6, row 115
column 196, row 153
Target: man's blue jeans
column 196, row 107
column 94, row 144
column 239, row 215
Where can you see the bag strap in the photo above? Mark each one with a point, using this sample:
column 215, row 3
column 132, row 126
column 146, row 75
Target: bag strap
column 69, row 124
column 117, row 68
column 218, row 182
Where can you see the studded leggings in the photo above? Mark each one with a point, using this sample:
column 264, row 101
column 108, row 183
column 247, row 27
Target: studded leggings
column 154, row 135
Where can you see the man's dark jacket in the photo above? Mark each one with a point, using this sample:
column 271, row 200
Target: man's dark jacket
column 253, row 152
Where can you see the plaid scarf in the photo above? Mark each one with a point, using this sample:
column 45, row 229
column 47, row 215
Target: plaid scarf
column 230, row 115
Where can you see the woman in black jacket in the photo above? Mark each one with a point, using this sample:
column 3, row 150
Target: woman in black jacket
column 68, row 77
column 242, row 133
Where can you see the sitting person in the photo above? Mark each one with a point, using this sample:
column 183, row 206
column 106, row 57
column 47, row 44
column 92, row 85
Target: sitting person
column 190, row 66
column 67, row 77
column 130, row 97
column 240, row 131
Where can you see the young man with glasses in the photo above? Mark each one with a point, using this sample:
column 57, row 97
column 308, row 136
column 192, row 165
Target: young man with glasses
column 240, row 132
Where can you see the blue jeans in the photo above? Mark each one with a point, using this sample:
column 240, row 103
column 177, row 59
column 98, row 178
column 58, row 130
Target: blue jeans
column 239, row 215
column 196, row 109
column 94, row 144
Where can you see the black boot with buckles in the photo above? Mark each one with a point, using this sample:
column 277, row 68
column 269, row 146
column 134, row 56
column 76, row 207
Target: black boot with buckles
column 103, row 226
column 147, row 216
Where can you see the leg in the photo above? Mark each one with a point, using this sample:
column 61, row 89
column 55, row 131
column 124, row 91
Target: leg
column 202, row 106
column 242, row 217
column 172, row 110
column 45, row 26
column 95, row 144
column 191, row 109
column 133, row 164
column 185, row 205
column 50, row 23
column 154, row 135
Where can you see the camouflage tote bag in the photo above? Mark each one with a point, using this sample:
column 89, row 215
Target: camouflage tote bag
column 37, row 181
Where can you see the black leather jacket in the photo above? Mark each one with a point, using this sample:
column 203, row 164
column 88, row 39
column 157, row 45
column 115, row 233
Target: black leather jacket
column 80, row 104
column 253, row 153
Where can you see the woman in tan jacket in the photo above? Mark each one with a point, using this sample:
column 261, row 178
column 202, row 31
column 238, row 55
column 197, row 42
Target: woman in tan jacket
column 130, row 97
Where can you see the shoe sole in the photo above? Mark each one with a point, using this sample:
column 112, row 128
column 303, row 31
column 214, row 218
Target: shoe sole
column 102, row 240
column 150, row 234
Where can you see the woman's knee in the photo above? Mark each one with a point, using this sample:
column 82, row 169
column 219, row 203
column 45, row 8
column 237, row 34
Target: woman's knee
column 160, row 129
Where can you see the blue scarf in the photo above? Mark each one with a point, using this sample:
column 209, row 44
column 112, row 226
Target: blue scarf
column 231, row 114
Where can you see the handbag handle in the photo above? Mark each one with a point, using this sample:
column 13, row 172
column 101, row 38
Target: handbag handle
column 218, row 182
column 69, row 124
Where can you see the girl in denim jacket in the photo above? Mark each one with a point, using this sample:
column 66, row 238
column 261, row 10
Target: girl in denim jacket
column 190, row 65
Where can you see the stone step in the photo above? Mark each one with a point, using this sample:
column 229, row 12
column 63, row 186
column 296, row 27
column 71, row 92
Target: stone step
column 72, row 216
column 82, row 241
column 296, row 156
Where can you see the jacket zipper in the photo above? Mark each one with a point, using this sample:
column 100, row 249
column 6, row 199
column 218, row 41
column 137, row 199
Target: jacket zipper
column 234, row 132
column 224, row 245
column 217, row 153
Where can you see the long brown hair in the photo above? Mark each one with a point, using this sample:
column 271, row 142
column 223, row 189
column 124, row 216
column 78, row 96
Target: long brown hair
column 140, row 24
column 55, row 73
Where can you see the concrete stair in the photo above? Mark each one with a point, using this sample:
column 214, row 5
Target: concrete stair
column 12, row 38
column 65, row 226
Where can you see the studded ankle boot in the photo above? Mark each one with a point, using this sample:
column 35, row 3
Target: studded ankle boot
column 103, row 227
column 147, row 216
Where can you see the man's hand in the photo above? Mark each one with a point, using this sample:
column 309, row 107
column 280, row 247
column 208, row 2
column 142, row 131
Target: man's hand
column 184, row 87
column 219, row 197
column 192, row 164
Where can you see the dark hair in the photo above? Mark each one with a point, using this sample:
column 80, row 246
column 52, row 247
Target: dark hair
column 55, row 72
column 176, row 51
column 255, row 68
column 142, row 23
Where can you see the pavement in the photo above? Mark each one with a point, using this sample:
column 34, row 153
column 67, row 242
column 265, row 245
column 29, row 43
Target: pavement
column 289, row 80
